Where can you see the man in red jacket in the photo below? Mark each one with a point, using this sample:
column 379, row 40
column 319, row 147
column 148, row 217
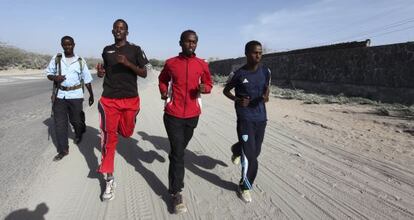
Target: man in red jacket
column 181, row 82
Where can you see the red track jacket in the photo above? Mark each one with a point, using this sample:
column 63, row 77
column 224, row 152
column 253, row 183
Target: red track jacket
column 180, row 79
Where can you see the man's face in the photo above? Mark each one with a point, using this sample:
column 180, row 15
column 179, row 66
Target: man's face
column 119, row 31
column 254, row 55
column 189, row 44
column 68, row 46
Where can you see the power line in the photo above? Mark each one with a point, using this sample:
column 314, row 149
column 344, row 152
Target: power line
column 378, row 29
column 382, row 34
column 382, row 14
column 361, row 22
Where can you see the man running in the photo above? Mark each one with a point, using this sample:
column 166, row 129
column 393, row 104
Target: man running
column 251, row 83
column 120, row 102
column 181, row 82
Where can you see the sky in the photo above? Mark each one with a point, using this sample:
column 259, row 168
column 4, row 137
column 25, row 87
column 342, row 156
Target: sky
column 223, row 26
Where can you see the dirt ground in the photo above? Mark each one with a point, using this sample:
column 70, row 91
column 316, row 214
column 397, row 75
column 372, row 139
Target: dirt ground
column 19, row 72
column 353, row 126
column 318, row 161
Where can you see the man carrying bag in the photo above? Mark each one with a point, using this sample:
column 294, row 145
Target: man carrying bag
column 68, row 72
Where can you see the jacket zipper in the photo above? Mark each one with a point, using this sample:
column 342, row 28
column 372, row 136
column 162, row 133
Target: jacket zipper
column 186, row 87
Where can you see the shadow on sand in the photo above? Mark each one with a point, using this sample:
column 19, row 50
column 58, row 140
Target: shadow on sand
column 128, row 148
column 23, row 214
column 193, row 162
column 89, row 141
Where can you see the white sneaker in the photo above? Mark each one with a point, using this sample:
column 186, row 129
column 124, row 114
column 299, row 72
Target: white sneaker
column 245, row 195
column 235, row 159
column 109, row 193
column 178, row 203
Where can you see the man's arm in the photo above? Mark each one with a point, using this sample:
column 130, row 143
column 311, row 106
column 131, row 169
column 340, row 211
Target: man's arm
column 230, row 84
column 100, row 68
column 267, row 87
column 91, row 98
column 206, row 82
column 163, row 80
column 87, row 79
column 142, row 72
column 51, row 72
column 56, row 78
column 51, row 69
column 227, row 92
column 266, row 94
column 244, row 101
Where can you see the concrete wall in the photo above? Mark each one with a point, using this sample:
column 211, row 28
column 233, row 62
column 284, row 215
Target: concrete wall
column 384, row 73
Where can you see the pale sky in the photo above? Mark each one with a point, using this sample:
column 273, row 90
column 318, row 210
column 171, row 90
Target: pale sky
column 223, row 26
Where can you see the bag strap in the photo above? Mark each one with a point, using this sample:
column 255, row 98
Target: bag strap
column 80, row 74
column 58, row 64
column 80, row 64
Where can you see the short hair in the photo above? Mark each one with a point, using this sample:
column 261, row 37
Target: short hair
column 187, row 32
column 121, row 20
column 67, row 38
column 250, row 45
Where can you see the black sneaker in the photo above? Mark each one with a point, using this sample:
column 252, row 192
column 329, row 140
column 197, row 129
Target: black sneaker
column 178, row 203
column 60, row 155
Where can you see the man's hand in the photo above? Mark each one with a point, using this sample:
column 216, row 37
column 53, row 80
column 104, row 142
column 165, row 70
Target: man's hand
column 266, row 94
column 122, row 59
column 265, row 97
column 202, row 88
column 100, row 70
column 164, row 96
column 59, row 78
column 244, row 102
column 91, row 100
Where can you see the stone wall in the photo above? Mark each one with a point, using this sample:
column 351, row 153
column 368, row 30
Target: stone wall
column 384, row 73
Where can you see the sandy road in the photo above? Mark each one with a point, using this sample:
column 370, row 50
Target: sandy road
column 299, row 176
